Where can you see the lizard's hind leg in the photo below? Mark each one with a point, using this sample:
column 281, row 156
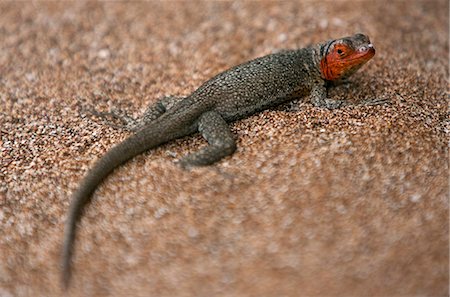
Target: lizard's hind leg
column 221, row 142
column 156, row 109
column 129, row 123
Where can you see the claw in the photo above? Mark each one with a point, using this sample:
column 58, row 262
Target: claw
column 334, row 104
column 376, row 101
column 128, row 123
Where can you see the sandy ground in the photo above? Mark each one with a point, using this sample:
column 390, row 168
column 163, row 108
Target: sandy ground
column 349, row 202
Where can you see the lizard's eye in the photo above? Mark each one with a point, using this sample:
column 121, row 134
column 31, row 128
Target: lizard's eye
column 342, row 51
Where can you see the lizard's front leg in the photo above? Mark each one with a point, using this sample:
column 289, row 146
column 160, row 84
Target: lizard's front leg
column 221, row 142
column 319, row 99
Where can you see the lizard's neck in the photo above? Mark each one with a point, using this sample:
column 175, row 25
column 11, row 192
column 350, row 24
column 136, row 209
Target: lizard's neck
column 316, row 57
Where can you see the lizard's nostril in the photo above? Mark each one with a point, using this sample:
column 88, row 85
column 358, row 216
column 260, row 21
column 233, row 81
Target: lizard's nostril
column 366, row 48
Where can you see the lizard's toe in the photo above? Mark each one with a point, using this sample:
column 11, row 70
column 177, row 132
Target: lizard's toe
column 376, row 101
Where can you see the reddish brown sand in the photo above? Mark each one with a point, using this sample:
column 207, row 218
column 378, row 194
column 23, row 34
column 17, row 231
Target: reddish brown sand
column 350, row 202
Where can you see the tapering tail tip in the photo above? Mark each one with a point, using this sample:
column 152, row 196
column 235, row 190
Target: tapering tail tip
column 66, row 273
column 66, row 255
column 65, row 280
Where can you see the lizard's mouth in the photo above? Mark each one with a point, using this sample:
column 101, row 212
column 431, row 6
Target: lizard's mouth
column 363, row 53
column 357, row 58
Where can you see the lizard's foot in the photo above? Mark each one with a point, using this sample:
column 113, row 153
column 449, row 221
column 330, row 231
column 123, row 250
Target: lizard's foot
column 376, row 101
column 334, row 104
column 330, row 103
column 128, row 123
column 221, row 141
column 208, row 155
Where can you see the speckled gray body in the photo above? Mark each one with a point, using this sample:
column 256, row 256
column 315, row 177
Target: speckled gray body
column 231, row 95
column 273, row 79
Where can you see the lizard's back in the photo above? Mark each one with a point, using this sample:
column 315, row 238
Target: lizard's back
column 272, row 77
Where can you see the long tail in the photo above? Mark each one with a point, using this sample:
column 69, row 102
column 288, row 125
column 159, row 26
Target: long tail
column 164, row 129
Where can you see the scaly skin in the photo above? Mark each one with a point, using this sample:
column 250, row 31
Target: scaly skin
column 231, row 95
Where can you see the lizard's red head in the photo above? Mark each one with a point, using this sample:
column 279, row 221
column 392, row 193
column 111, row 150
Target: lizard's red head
column 341, row 58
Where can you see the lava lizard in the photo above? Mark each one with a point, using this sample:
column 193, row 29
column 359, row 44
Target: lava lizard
column 231, row 95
